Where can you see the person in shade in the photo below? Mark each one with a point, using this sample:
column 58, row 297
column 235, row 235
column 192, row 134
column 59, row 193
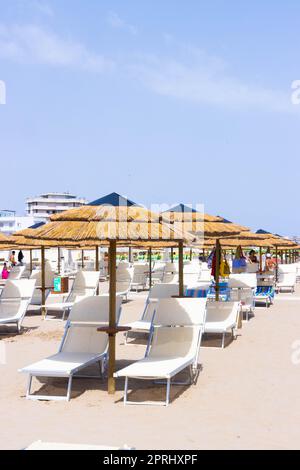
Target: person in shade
column 252, row 257
column 20, row 257
column 12, row 259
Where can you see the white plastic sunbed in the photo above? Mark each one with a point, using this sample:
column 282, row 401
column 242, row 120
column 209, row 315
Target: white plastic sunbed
column 243, row 288
column 140, row 276
column 82, row 345
column 85, row 285
column 158, row 291
column 175, row 343
column 221, row 317
column 15, row 300
column 49, row 279
column 287, row 281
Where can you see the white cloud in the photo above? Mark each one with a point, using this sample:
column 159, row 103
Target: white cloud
column 188, row 73
column 114, row 20
column 32, row 44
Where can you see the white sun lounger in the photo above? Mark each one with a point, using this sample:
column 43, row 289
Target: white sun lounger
column 15, row 300
column 174, row 345
column 82, row 345
column 140, row 276
column 85, row 285
column 221, row 317
column 158, row 291
column 287, row 282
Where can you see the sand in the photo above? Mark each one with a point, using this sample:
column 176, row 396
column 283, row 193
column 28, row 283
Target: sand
column 247, row 395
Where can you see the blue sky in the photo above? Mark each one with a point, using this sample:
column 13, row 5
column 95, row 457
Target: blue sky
column 164, row 102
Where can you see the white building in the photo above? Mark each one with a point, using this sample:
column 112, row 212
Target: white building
column 45, row 205
column 11, row 223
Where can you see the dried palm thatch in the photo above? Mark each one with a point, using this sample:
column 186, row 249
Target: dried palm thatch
column 4, row 239
column 95, row 225
column 196, row 223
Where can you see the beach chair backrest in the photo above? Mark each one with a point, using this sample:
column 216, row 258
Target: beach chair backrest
column 123, row 286
column 183, row 311
column 140, row 273
column 222, row 311
column 242, row 280
column 288, row 279
column 175, row 342
column 18, row 289
column 124, row 275
column 287, row 268
column 49, row 275
column 163, row 291
column 83, row 338
column 86, row 280
column 171, row 267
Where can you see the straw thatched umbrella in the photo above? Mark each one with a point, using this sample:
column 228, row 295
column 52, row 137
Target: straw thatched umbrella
column 203, row 225
column 115, row 221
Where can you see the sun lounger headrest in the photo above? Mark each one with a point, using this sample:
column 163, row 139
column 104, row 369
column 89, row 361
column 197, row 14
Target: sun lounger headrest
column 163, row 291
column 184, row 311
column 93, row 309
column 242, row 280
column 86, row 280
column 21, row 288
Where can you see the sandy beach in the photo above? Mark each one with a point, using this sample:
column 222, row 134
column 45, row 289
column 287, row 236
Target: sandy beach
column 246, row 396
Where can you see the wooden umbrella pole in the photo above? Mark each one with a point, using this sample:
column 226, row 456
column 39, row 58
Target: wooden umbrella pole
column 97, row 266
column 276, row 268
column 82, row 259
column 172, row 255
column 260, row 259
column 130, row 254
column 30, row 254
column 191, row 254
column 112, row 315
column 96, row 258
column 58, row 260
column 150, row 267
column 43, row 291
column 180, row 268
column 218, row 260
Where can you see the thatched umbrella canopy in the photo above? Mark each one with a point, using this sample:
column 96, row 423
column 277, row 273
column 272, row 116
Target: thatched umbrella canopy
column 116, row 221
column 197, row 223
column 4, row 238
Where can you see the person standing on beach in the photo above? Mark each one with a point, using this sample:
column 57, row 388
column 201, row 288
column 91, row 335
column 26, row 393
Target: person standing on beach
column 12, row 259
column 20, row 257
column 5, row 272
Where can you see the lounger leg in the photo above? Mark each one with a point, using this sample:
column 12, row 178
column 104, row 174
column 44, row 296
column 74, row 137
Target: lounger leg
column 126, row 337
column 29, row 386
column 168, row 391
column 125, row 390
column 69, row 388
column 223, row 340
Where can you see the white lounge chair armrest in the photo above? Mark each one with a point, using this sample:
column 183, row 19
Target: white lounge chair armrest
column 87, row 323
column 178, row 326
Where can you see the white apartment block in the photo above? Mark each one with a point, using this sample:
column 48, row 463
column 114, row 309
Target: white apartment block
column 45, row 205
column 11, row 223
